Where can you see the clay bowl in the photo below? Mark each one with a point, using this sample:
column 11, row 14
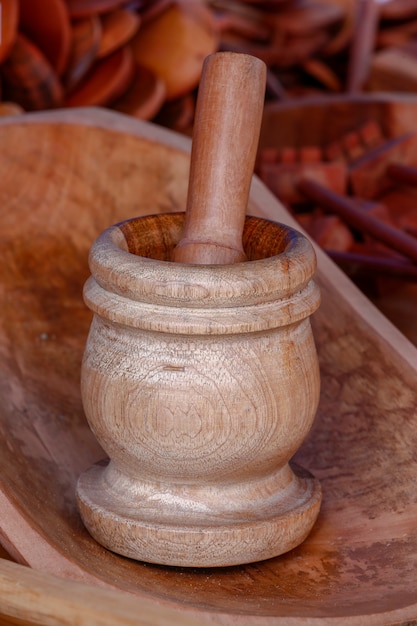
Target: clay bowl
column 107, row 80
column 144, row 97
column 359, row 564
column 49, row 28
column 29, row 79
column 398, row 10
column 10, row 18
column 118, row 27
column 85, row 42
column 174, row 43
column 83, row 8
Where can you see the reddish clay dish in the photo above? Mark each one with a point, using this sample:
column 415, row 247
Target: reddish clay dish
column 107, row 80
column 9, row 26
column 85, row 42
column 29, row 78
column 84, row 8
column 49, row 28
column 144, row 97
column 118, row 27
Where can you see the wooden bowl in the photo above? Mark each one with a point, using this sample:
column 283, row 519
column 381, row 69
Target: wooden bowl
column 358, row 566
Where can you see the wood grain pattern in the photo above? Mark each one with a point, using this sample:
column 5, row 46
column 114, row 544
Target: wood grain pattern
column 225, row 142
column 358, row 566
column 200, row 382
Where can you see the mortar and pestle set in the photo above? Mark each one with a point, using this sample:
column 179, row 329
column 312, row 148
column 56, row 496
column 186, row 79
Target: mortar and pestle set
column 200, row 377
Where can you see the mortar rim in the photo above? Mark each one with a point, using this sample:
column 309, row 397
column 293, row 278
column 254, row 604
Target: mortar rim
column 163, row 282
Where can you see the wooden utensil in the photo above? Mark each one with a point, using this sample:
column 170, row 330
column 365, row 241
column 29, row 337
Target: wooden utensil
column 368, row 404
column 226, row 310
column 344, row 207
column 225, row 142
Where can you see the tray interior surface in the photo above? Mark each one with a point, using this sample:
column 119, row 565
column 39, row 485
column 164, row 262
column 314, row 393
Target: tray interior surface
column 61, row 184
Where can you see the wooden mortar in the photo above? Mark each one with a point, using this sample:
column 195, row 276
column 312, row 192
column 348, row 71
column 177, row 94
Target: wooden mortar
column 200, row 380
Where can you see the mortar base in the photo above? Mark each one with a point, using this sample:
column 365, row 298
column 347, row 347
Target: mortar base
column 187, row 538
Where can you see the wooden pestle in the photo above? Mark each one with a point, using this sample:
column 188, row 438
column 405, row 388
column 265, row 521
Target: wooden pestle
column 225, row 140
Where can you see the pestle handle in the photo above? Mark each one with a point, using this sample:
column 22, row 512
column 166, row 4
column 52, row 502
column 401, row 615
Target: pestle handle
column 225, row 141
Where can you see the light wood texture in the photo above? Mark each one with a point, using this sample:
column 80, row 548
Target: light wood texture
column 358, row 566
column 200, row 382
column 225, row 141
column 75, row 603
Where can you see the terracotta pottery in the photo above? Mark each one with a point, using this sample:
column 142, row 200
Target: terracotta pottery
column 357, row 567
column 175, row 43
column 328, row 122
column 9, row 26
column 106, row 81
column 84, row 8
column 85, row 42
column 48, row 26
column 178, row 114
column 29, row 79
column 118, row 27
column 340, row 40
column 144, row 96
column 10, row 108
column 398, row 9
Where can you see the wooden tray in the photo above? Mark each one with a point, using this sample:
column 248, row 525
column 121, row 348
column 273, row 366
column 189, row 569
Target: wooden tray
column 64, row 177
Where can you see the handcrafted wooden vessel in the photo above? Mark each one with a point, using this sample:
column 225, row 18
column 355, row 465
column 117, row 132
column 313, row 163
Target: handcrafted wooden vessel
column 200, row 376
column 200, row 383
column 358, row 566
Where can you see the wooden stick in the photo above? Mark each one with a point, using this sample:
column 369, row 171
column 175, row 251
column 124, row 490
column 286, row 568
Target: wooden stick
column 226, row 133
column 363, row 44
column 355, row 217
column 374, row 265
column 402, row 173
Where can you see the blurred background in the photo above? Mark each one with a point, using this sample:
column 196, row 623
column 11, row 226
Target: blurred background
column 340, row 104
